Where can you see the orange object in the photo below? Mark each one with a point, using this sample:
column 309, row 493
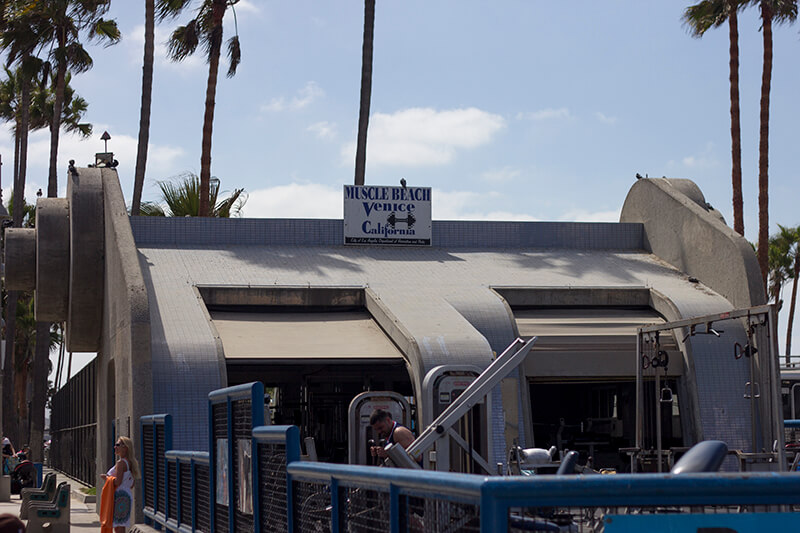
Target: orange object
column 107, row 506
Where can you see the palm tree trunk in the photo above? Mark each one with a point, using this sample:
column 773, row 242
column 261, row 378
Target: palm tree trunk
column 21, row 377
column 736, row 137
column 147, row 94
column 9, row 377
column 218, row 12
column 9, row 414
column 55, row 127
column 792, row 304
column 40, row 364
column 16, row 151
column 763, row 148
column 366, row 90
column 22, row 164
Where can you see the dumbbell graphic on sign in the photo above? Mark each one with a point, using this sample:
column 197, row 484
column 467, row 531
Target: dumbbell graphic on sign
column 392, row 219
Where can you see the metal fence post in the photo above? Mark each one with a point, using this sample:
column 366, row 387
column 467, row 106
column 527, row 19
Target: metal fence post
column 394, row 508
column 494, row 513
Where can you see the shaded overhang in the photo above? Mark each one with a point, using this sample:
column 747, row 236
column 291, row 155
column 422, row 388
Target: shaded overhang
column 301, row 337
column 588, row 342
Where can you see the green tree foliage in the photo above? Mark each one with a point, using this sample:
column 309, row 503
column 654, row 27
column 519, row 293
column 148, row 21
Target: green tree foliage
column 206, row 30
column 64, row 24
column 784, row 266
column 182, row 198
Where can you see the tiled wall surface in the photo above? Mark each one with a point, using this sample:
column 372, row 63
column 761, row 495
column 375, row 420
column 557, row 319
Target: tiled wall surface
column 446, row 234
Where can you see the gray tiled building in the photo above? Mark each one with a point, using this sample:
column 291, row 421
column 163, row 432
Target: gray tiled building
column 190, row 305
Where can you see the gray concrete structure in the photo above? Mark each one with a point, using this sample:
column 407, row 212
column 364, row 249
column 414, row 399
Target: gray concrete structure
column 145, row 305
column 681, row 228
column 20, row 259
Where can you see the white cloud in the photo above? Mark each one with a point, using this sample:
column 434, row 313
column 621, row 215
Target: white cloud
column 583, row 215
column 602, row 117
column 323, row 130
column 501, row 174
column 468, row 205
column 304, row 97
column 162, row 161
column 425, row 136
column 310, row 200
column 315, row 200
column 546, row 114
column 704, row 160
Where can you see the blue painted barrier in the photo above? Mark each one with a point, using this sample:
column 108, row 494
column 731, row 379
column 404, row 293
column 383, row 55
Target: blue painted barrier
column 290, row 495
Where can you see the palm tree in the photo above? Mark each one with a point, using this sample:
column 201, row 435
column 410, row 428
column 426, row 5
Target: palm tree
column 72, row 110
column 366, row 90
column 19, row 39
column 779, row 269
column 41, row 112
column 771, row 11
column 791, row 238
column 784, row 265
column 166, row 9
column 144, row 113
column 183, row 199
column 206, row 28
column 16, row 337
column 700, row 18
column 66, row 22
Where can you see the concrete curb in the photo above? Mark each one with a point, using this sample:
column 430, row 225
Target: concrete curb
column 82, row 497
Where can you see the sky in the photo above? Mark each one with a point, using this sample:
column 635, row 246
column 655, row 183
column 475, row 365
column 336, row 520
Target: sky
column 509, row 110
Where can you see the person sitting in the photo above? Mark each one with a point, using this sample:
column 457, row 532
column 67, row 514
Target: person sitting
column 24, row 453
column 8, row 448
column 8, row 452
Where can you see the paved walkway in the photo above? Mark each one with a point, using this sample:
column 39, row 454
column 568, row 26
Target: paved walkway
column 83, row 517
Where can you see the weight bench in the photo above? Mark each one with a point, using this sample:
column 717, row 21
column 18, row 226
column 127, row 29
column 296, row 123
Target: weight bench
column 51, row 517
column 45, row 494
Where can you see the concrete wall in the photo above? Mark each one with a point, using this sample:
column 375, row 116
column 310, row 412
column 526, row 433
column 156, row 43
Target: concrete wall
column 683, row 230
column 124, row 375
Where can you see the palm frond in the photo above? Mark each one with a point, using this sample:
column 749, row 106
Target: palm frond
column 234, row 55
column 78, row 59
column 182, row 198
column 231, row 205
column 166, row 9
column 183, row 41
column 151, row 209
column 105, row 30
column 705, row 15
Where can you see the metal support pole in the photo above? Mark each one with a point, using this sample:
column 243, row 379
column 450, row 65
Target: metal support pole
column 658, row 417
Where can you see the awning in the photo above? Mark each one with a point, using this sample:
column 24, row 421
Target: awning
column 302, row 336
column 593, row 342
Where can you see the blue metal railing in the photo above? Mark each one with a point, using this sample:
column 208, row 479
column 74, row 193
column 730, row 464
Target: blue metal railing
column 243, row 408
column 156, row 439
column 290, row 495
column 187, row 499
column 496, row 496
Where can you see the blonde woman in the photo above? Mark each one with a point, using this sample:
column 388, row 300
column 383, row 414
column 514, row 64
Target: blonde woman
column 124, row 473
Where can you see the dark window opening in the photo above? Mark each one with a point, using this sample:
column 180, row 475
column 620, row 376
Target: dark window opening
column 316, row 397
column 596, row 419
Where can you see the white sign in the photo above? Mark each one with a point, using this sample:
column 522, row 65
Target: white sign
column 387, row 215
